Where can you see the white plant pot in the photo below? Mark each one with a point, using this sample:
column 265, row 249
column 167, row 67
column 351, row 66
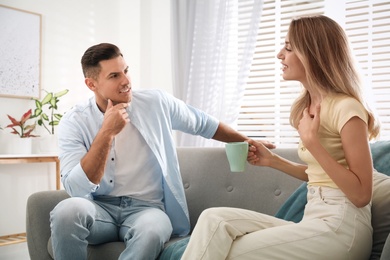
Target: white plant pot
column 46, row 144
column 3, row 145
column 13, row 144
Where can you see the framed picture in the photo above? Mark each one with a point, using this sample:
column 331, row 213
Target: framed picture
column 20, row 52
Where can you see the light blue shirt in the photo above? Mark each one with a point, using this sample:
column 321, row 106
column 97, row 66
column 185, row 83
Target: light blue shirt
column 155, row 114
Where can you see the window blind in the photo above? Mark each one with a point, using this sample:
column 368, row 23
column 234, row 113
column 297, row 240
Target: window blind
column 265, row 107
column 367, row 24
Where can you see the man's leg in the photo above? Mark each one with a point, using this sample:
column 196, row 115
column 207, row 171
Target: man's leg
column 145, row 231
column 77, row 222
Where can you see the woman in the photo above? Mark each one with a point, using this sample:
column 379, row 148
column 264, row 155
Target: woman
column 335, row 127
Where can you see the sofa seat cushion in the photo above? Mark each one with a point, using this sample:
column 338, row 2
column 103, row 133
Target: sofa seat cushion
column 107, row 251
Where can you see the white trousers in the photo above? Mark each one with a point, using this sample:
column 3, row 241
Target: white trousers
column 332, row 228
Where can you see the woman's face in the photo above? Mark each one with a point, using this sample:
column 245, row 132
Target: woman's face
column 292, row 66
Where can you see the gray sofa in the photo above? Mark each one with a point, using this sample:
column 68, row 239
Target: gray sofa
column 207, row 181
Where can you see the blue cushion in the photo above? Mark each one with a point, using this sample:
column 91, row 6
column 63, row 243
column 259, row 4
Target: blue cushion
column 381, row 156
column 174, row 250
column 294, row 206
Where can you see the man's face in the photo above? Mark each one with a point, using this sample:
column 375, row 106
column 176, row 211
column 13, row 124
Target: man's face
column 112, row 83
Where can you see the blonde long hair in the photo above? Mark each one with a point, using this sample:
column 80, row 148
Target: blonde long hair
column 323, row 48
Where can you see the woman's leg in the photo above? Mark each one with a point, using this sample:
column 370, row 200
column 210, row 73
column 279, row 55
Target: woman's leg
column 332, row 228
column 306, row 240
column 218, row 228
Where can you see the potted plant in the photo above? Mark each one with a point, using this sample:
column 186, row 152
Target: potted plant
column 50, row 118
column 24, row 129
column 22, row 144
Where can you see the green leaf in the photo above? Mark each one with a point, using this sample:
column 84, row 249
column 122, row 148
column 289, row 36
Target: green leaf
column 38, row 103
column 44, row 116
column 53, row 103
column 54, row 123
column 61, row 93
column 47, row 99
column 37, row 112
column 58, row 116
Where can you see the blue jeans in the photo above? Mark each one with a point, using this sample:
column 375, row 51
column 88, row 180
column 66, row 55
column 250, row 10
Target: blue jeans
column 76, row 222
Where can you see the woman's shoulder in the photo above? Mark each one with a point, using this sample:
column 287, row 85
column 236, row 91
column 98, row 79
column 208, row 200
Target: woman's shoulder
column 341, row 101
column 340, row 108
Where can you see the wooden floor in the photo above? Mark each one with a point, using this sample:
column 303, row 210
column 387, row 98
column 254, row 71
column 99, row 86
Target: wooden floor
column 12, row 239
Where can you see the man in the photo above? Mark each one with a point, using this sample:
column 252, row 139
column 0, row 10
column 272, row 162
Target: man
column 119, row 163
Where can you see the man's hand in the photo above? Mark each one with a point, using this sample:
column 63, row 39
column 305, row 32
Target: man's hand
column 267, row 144
column 115, row 118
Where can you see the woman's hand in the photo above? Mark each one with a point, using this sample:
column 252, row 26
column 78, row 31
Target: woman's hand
column 309, row 125
column 258, row 153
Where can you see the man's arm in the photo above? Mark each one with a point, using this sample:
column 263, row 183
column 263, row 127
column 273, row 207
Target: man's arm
column 94, row 162
column 227, row 134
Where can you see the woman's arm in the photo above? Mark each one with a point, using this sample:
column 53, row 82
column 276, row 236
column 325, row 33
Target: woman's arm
column 355, row 182
column 259, row 155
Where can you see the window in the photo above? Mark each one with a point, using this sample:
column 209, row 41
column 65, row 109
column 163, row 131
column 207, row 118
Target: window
column 367, row 24
column 265, row 109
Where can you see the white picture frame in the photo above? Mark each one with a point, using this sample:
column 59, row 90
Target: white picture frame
column 20, row 52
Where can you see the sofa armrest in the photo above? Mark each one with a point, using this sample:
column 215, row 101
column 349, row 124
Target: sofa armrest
column 38, row 232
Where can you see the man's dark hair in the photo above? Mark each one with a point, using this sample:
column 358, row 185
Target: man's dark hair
column 94, row 54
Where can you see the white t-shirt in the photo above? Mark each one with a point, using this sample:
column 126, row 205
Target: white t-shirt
column 137, row 172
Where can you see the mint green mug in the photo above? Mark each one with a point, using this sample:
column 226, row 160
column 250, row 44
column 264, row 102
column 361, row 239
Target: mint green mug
column 237, row 153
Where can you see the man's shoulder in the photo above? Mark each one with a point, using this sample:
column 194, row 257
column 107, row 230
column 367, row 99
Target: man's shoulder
column 84, row 107
column 151, row 94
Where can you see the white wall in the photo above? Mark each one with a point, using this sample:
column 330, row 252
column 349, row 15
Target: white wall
column 139, row 27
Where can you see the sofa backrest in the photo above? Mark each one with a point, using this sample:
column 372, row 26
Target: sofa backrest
column 208, row 182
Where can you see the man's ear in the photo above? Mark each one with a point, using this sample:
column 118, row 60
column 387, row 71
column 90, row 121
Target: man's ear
column 90, row 83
